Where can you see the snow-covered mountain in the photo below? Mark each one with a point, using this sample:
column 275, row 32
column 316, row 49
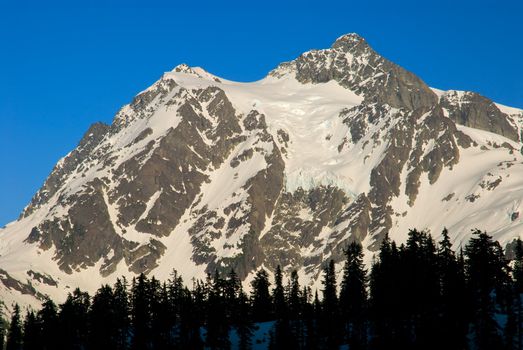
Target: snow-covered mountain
column 200, row 173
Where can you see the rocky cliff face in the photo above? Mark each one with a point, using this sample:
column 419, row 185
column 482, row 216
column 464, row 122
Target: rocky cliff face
column 198, row 174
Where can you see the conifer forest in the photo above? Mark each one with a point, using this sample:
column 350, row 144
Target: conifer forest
column 418, row 295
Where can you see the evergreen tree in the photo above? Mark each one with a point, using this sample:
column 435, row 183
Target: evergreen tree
column 14, row 336
column 329, row 325
column 330, row 298
column 73, row 321
column 420, row 290
column 453, row 299
column 353, row 297
column 162, row 316
column 283, row 337
column 192, row 314
column 31, row 337
column 121, row 309
column 238, row 310
column 308, row 316
column 389, row 303
column 140, row 314
column 217, row 324
column 484, row 273
column 47, row 318
column 102, row 317
column 243, row 322
column 421, row 297
column 176, row 296
column 260, row 297
column 295, row 300
column 232, row 288
column 278, row 295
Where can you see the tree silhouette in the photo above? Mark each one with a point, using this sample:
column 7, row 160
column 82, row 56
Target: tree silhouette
column 260, row 297
column 329, row 322
column 419, row 297
column 73, row 320
column 14, row 336
column 31, row 332
column 353, row 297
column 141, row 313
column 484, row 273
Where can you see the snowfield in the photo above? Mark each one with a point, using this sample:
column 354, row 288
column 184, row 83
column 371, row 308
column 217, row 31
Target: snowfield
column 483, row 190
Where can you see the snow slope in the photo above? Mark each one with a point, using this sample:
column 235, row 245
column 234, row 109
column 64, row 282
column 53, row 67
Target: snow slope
column 335, row 148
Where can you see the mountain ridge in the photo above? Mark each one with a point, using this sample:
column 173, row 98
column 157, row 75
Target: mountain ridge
column 200, row 173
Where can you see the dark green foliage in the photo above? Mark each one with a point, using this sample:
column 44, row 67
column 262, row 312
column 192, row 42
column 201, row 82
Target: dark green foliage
column 278, row 295
column 419, row 263
column 295, row 299
column 329, row 322
column 309, row 317
column 353, row 297
column 47, row 319
column 102, row 317
column 31, row 337
column 453, row 301
column 282, row 337
column 121, row 311
column 232, row 288
column 330, row 298
column 242, row 321
column 486, row 271
column 405, row 294
column 141, row 314
column 73, row 321
column 162, row 316
column 260, row 297
column 417, row 296
column 14, row 336
column 217, row 324
column 385, row 298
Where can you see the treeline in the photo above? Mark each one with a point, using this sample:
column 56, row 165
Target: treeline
column 420, row 295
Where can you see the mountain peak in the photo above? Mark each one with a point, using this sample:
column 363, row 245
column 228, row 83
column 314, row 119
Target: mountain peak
column 348, row 40
column 197, row 72
column 201, row 175
column 354, row 65
column 182, row 68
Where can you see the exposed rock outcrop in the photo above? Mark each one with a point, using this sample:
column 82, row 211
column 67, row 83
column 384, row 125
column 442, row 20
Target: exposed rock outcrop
column 339, row 145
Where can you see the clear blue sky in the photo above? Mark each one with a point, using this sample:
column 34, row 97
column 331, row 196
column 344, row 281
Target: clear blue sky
column 63, row 68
